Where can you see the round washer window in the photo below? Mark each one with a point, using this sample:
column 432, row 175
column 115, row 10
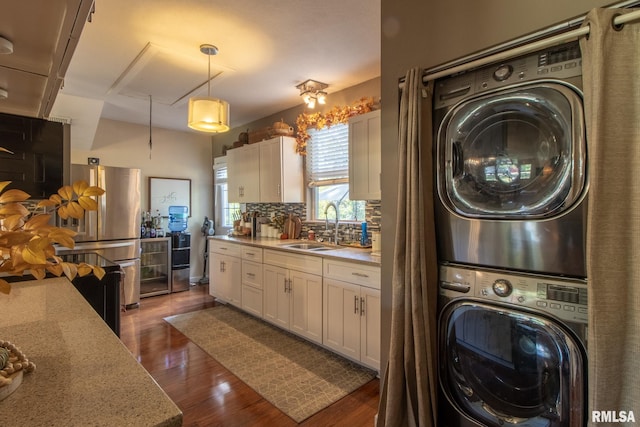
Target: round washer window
column 501, row 366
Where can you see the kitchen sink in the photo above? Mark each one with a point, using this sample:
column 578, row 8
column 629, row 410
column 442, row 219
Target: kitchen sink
column 316, row 247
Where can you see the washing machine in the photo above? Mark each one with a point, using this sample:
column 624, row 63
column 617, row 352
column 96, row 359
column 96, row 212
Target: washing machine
column 511, row 164
column 512, row 349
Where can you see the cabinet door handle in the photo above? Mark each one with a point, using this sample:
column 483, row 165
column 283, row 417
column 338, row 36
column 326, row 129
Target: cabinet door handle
column 360, row 274
column 361, row 306
column 355, row 304
column 279, row 189
column 221, row 266
column 251, row 274
column 285, row 286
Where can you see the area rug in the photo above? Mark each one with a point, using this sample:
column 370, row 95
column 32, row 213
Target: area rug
column 297, row 377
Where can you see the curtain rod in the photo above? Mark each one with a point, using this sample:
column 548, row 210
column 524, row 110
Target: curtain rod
column 525, row 44
column 531, row 47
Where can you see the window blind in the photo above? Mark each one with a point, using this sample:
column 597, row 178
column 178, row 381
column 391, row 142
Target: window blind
column 328, row 156
column 220, row 173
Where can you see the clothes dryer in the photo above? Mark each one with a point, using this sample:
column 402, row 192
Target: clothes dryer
column 511, row 164
column 512, row 349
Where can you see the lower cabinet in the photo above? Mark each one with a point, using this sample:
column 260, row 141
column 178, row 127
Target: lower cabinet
column 351, row 313
column 293, row 299
column 225, row 273
column 330, row 302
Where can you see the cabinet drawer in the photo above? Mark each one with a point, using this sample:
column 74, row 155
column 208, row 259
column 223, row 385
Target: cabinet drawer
column 252, row 274
column 360, row 274
column 252, row 253
column 305, row 263
column 225, row 248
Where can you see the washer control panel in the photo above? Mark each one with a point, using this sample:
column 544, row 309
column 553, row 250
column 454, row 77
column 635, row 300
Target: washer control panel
column 565, row 299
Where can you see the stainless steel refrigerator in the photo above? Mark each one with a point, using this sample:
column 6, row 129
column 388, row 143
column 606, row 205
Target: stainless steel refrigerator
column 113, row 231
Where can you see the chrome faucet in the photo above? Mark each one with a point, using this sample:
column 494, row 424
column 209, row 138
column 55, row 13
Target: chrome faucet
column 326, row 220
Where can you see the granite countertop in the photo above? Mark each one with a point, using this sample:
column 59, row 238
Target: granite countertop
column 345, row 253
column 84, row 374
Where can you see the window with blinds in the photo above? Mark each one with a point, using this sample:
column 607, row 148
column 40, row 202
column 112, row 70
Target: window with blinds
column 328, row 174
column 223, row 209
column 328, row 156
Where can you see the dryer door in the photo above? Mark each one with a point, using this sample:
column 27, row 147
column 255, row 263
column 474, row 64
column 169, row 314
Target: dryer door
column 499, row 366
column 513, row 153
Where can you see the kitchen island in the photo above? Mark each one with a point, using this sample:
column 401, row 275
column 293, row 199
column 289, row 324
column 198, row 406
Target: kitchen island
column 84, row 375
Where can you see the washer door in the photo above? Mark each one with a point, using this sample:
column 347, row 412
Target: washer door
column 503, row 367
column 513, row 153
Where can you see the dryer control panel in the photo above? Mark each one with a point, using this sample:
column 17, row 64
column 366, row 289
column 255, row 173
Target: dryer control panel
column 562, row 298
column 562, row 62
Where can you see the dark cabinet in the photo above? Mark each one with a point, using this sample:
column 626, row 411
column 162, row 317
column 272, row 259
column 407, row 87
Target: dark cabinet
column 102, row 294
column 37, row 164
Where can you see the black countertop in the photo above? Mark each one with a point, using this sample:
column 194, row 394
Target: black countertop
column 91, row 258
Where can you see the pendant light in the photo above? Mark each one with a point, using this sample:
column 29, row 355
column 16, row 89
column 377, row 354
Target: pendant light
column 207, row 114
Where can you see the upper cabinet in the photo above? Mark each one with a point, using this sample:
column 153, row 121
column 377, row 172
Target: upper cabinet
column 281, row 178
column 243, row 174
column 365, row 156
column 39, row 159
column 269, row 172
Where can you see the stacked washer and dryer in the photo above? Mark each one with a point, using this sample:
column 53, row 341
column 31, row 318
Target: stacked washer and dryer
column 510, row 154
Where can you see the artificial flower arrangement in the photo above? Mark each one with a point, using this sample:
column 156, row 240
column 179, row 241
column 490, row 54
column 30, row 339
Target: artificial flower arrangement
column 27, row 238
column 338, row 114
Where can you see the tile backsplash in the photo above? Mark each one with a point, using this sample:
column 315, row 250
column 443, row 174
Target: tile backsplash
column 347, row 232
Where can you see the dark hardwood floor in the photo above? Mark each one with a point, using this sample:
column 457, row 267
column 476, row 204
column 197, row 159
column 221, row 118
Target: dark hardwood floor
column 206, row 392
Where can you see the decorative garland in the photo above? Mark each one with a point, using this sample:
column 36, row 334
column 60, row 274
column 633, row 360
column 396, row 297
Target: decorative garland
column 320, row 120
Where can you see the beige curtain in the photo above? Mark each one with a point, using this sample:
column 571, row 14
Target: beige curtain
column 408, row 396
column 611, row 79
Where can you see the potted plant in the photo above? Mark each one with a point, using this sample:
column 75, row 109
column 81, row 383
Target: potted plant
column 27, row 237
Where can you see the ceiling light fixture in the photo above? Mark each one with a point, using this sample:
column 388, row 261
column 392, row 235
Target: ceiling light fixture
column 207, row 114
column 312, row 91
column 3, row 93
column 6, row 47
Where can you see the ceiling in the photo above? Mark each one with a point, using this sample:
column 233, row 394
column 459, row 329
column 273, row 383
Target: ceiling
column 137, row 54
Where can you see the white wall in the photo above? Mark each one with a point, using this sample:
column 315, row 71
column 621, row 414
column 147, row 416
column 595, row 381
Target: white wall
column 174, row 154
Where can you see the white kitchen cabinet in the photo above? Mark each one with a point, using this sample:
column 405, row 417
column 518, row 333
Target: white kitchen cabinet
column 277, row 303
column 225, row 271
column 243, row 174
column 252, row 289
column 293, row 293
column 281, row 177
column 351, row 311
column 365, row 156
